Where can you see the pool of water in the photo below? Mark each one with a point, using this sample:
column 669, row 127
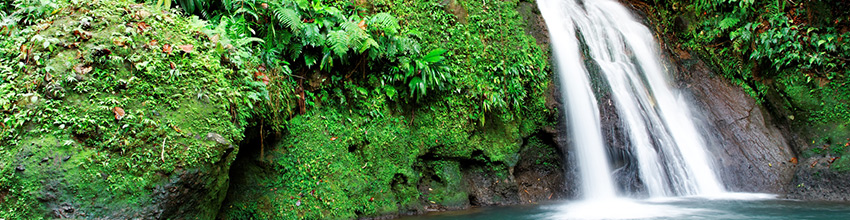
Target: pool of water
column 728, row 206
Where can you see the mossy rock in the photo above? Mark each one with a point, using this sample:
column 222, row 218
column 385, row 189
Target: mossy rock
column 118, row 110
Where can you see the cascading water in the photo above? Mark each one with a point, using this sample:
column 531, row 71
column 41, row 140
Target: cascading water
column 670, row 151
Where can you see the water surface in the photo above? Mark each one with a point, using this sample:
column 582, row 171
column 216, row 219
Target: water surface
column 668, row 208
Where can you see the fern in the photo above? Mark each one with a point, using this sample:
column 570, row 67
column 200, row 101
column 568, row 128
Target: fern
column 385, row 22
column 288, row 18
column 338, row 41
column 312, row 35
column 335, row 13
column 728, row 22
column 370, row 43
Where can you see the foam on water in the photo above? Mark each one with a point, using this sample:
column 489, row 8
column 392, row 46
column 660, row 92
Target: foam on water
column 618, row 209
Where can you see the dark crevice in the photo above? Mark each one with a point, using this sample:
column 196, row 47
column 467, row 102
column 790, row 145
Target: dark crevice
column 248, row 164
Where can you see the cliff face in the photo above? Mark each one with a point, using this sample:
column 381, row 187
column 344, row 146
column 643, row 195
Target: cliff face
column 760, row 147
column 752, row 153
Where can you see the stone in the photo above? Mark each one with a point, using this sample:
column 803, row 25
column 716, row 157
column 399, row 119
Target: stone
column 217, row 138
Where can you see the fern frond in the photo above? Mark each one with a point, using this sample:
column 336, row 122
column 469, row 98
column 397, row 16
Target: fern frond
column 357, row 37
column 288, row 18
column 295, row 50
column 247, row 11
column 369, row 43
column 312, row 35
column 385, row 21
column 728, row 23
column 353, row 29
column 338, row 42
column 336, row 13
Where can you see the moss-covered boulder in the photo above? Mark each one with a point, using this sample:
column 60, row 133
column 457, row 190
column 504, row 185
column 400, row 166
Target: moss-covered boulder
column 115, row 109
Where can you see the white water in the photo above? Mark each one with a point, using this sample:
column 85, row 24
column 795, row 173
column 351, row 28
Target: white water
column 671, row 154
column 583, row 111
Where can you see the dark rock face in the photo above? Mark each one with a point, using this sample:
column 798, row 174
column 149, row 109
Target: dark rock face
column 193, row 193
column 534, row 23
column 561, row 139
column 816, row 181
column 539, row 174
column 751, row 152
column 487, row 189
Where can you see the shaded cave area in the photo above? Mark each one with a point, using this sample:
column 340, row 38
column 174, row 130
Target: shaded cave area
column 248, row 170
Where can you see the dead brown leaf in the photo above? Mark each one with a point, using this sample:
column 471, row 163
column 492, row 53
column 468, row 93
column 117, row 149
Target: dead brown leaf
column 119, row 112
column 143, row 27
column 166, row 48
column 362, row 24
column 82, row 70
column 118, row 42
column 262, row 77
column 187, row 48
column 214, row 39
column 83, row 35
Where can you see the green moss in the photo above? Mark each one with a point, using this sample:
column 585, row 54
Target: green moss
column 841, row 164
column 62, row 102
column 359, row 151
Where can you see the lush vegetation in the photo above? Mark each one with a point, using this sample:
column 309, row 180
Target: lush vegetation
column 113, row 97
column 401, row 124
column 105, row 104
column 792, row 55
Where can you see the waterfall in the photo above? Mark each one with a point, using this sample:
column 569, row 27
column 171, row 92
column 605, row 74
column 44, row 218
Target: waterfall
column 670, row 152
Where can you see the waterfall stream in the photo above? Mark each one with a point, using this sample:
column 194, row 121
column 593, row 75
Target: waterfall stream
column 670, row 152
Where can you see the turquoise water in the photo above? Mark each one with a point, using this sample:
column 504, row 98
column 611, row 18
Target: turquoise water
column 678, row 208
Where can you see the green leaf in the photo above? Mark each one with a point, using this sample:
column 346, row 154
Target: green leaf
column 362, row 90
column 435, row 55
column 390, row 91
column 417, row 87
column 327, row 60
column 310, row 60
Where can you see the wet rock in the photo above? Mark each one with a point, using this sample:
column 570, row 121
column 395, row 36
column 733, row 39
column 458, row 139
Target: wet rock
column 535, row 25
column 819, row 183
column 217, row 138
column 20, row 168
column 65, row 211
column 456, row 9
column 488, row 189
column 192, row 193
column 750, row 149
column 539, row 174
